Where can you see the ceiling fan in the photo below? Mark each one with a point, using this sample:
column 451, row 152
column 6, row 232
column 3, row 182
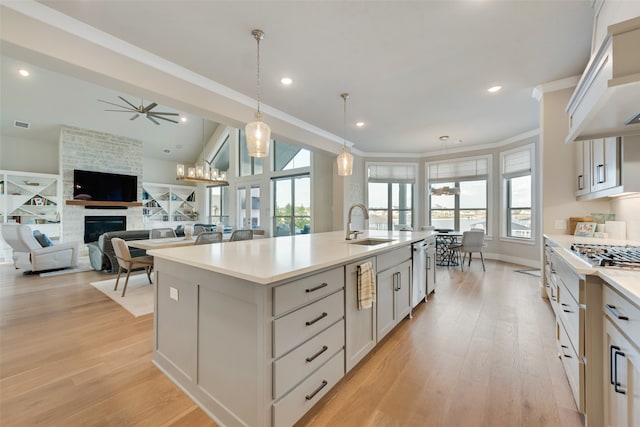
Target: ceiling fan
column 146, row 111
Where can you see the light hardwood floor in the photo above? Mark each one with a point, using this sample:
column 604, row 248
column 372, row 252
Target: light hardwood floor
column 479, row 353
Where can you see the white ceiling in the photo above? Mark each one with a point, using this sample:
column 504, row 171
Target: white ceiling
column 415, row 70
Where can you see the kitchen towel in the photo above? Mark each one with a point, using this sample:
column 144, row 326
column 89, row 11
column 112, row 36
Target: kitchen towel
column 366, row 286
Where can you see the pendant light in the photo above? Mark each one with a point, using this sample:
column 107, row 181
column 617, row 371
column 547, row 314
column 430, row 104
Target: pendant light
column 345, row 159
column 202, row 173
column 258, row 133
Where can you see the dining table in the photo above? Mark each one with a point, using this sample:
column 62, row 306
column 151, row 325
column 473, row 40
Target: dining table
column 445, row 256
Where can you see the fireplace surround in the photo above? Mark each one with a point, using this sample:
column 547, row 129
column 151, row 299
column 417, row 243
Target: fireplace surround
column 94, row 226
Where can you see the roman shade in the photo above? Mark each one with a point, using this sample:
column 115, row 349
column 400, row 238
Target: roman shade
column 389, row 172
column 470, row 168
column 517, row 162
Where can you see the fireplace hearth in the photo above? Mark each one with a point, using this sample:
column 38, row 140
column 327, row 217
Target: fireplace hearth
column 94, row 226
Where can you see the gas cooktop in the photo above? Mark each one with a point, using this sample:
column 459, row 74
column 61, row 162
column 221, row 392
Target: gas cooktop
column 609, row 255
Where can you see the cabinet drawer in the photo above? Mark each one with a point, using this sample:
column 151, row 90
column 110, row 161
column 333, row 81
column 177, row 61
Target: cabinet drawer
column 565, row 274
column 622, row 313
column 294, row 405
column 572, row 317
column 294, row 294
column 295, row 366
column 573, row 367
column 392, row 258
column 302, row 324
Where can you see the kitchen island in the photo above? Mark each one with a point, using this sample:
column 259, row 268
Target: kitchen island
column 256, row 332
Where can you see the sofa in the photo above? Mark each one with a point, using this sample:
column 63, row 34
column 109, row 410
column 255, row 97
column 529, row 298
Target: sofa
column 101, row 253
column 30, row 255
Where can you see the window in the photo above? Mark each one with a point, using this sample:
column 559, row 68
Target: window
column 287, row 157
column 458, row 193
column 219, row 205
column 517, row 188
column 249, row 213
column 249, row 166
column 390, row 194
column 292, row 205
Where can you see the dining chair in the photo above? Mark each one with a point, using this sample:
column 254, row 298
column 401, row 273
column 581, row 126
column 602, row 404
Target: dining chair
column 241, row 235
column 162, row 233
column 197, row 229
column 472, row 241
column 207, row 237
column 128, row 263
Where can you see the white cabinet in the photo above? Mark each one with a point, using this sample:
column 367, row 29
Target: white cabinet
column 605, row 158
column 583, row 167
column 607, row 167
column 360, row 324
column 393, row 296
column 622, row 360
column 163, row 204
column 31, row 198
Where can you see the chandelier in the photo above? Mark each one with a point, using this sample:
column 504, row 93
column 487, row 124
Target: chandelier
column 202, row 173
column 445, row 191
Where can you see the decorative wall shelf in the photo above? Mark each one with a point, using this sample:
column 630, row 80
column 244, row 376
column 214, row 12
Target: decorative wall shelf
column 104, row 204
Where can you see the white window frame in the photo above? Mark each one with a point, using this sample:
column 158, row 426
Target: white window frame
column 488, row 176
column 397, row 180
column 504, row 217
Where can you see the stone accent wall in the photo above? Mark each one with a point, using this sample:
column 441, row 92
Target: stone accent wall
column 101, row 152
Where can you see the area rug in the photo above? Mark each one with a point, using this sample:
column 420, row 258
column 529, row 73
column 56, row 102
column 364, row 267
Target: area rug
column 138, row 300
column 83, row 265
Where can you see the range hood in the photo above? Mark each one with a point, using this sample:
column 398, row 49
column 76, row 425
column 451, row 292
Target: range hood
column 607, row 98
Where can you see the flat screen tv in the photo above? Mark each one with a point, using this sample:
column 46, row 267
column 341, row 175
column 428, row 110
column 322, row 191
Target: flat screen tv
column 104, row 187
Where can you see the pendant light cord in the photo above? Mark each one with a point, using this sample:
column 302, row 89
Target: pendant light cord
column 258, row 35
column 344, row 97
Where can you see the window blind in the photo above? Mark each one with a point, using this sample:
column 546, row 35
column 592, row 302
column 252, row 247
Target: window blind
column 516, row 163
column 391, row 173
column 467, row 168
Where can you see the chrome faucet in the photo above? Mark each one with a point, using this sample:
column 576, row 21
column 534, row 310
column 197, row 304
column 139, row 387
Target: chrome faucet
column 366, row 217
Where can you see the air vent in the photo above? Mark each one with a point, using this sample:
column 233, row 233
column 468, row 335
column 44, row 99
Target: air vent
column 633, row 120
column 20, row 124
column 166, row 150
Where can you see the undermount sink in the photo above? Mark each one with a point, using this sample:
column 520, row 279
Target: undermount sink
column 370, row 242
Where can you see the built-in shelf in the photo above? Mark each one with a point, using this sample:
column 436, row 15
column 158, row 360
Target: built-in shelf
column 103, row 203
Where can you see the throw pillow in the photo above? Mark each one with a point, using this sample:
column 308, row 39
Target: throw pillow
column 42, row 239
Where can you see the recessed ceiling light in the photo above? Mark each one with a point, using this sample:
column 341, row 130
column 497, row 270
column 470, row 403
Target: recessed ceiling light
column 183, row 119
column 286, row 81
column 23, row 72
column 444, row 138
column 494, row 89
column 359, row 124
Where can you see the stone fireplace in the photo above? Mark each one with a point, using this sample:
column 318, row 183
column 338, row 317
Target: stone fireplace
column 101, row 152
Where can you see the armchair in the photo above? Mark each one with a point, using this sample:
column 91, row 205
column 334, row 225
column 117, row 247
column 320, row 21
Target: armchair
column 29, row 255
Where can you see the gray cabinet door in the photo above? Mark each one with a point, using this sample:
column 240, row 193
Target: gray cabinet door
column 386, row 302
column 360, row 324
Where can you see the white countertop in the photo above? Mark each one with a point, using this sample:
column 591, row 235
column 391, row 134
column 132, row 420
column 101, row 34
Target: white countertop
column 627, row 282
column 276, row 259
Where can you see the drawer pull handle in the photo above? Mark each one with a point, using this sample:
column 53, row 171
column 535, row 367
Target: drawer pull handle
column 614, row 311
column 312, row 358
column 324, row 285
column 322, row 316
column 316, row 391
column 611, row 372
column 565, row 355
column 615, row 370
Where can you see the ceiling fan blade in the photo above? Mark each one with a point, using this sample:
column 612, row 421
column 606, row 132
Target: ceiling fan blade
column 152, row 119
column 135, row 116
column 132, row 106
column 163, row 114
column 111, row 103
column 162, row 118
column 149, row 107
column 120, row 111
